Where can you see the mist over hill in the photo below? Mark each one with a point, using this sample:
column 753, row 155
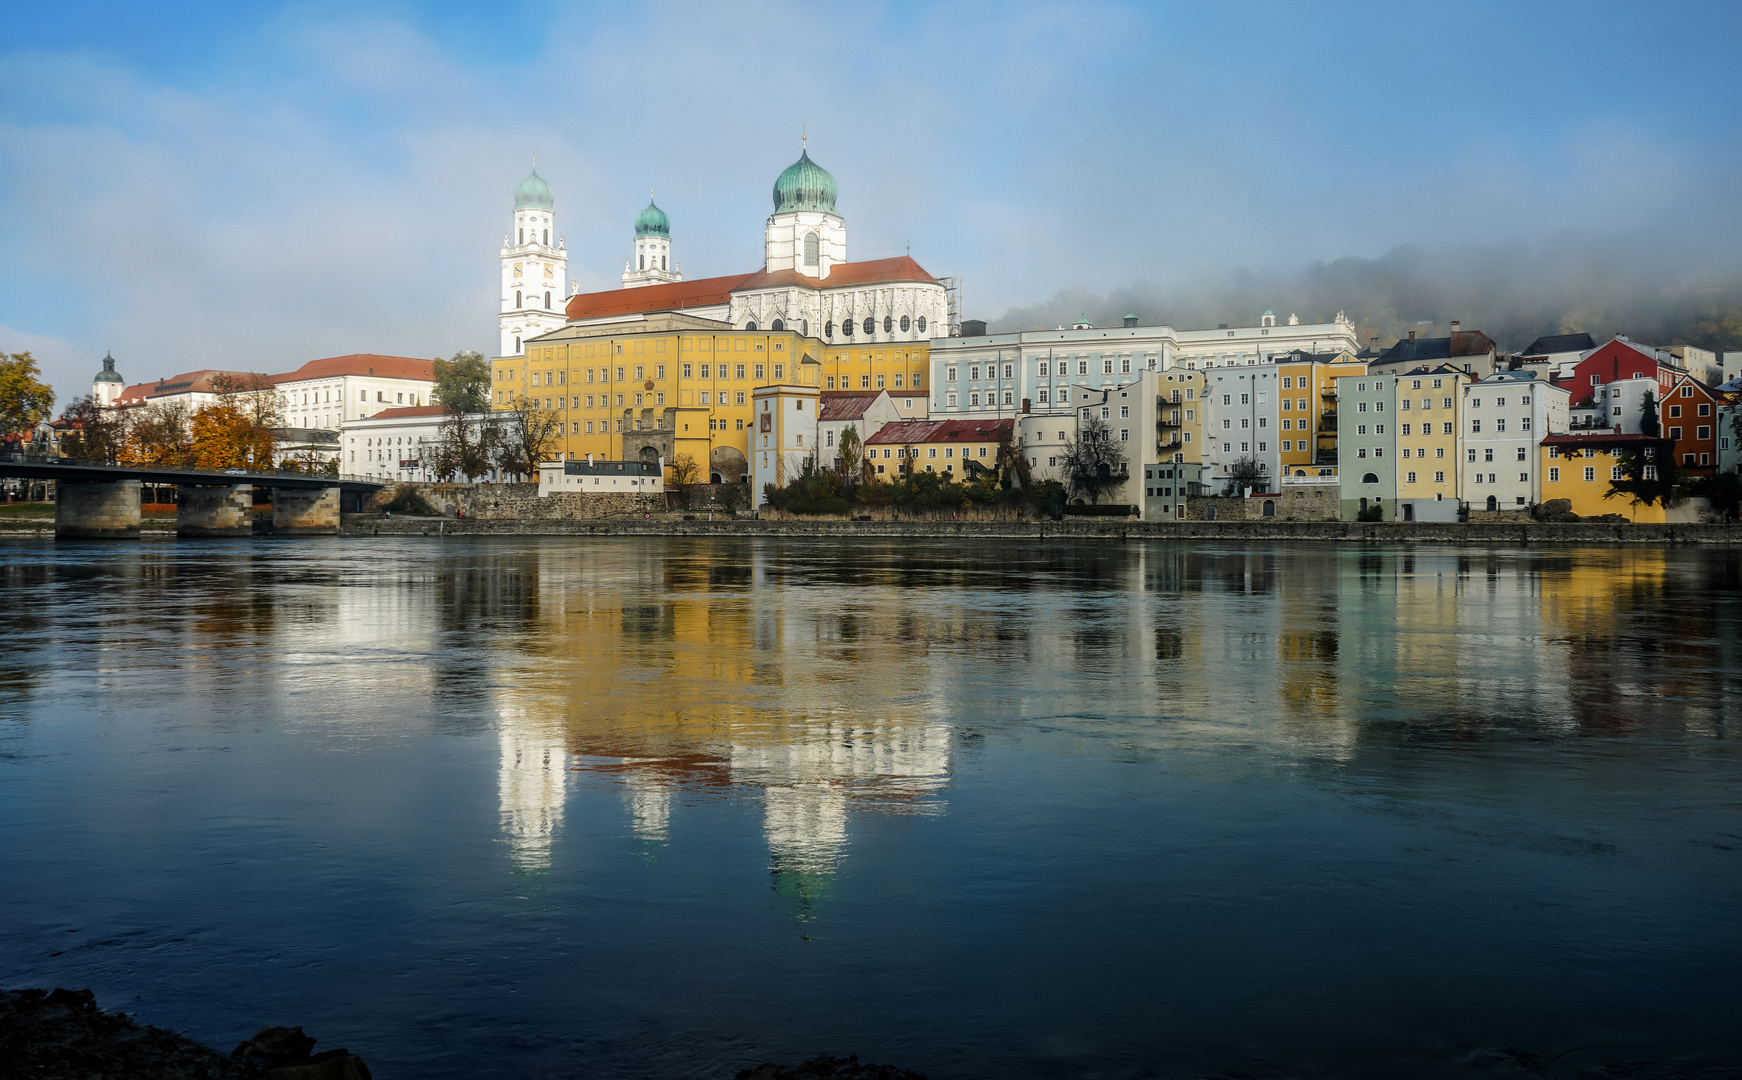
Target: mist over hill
column 1514, row 292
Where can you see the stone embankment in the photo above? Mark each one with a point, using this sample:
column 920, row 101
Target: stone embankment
column 1384, row 532
column 62, row 1035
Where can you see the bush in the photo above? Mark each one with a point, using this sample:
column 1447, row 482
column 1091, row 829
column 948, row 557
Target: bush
column 1105, row 510
column 409, row 500
column 821, row 504
column 1376, row 512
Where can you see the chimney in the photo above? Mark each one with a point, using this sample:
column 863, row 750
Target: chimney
column 1412, row 335
column 1455, row 325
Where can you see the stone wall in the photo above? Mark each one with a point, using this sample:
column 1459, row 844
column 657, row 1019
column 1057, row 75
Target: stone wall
column 521, row 502
column 1306, row 503
column 904, row 513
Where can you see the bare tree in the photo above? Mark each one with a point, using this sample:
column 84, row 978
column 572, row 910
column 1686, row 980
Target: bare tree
column 1246, row 472
column 684, row 473
column 525, row 436
column 1093, row 463
column 98, row 434
column 464, row 447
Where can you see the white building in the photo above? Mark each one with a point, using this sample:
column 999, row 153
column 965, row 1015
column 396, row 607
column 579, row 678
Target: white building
column 1505, row 416
column 1240, row 421
column 393, row 444
column 998, row 373
column 571, row 477
column 327, row 393
column 533, row 267
column 107, row 385
column 864, row 411
column 783, row 435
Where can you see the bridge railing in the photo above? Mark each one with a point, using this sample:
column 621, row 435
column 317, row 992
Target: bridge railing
column 240, row 475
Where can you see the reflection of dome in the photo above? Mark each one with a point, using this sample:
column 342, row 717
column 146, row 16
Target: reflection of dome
column 652, row 222
column 109, row 374
column 533, row 191
column 804, row 185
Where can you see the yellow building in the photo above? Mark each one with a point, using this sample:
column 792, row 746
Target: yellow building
column 1307, row 403
column 1581, row 468
column 1179, row 416
column 962, row 448
column 1430, row 427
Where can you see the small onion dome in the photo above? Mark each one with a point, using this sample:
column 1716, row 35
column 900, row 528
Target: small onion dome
column 533, row 191
column 804, row 185
column 109, row 374
column 652, row 222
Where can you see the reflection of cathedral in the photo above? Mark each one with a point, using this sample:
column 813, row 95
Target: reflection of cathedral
column 530, row 784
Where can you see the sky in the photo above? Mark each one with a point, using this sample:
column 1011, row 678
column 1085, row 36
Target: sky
column 251, row 186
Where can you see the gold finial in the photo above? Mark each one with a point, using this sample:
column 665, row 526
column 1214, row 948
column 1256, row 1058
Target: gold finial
column 804, row 137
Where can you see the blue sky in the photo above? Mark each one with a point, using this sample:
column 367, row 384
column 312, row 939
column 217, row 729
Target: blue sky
column 255, row 185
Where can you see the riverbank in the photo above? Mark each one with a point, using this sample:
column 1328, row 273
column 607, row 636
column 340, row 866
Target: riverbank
column 1386, row 532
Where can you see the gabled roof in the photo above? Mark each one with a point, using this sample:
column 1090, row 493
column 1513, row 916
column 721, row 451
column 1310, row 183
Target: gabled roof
column 1560, row 343
column 932, row 431
column 366, row 364
column 847, row 404
column 900, row 268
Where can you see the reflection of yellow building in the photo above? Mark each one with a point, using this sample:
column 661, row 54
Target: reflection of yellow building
column 686, row 382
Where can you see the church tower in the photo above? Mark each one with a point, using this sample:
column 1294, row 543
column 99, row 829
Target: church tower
column 804, row 234
column 534, row 267
column 106, row 387
column 652, row 263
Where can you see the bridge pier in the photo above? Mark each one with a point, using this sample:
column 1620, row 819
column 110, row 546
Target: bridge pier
column 305, row 511
column 226, row 510
column 96, row 510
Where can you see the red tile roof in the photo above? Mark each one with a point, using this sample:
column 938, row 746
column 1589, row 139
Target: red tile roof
column 188, row 382
column 674, row 297
column 1577, row 439
column 366, row 364
column 408, row 412
column 847, row 404
column 932, row 431
column 718, row 290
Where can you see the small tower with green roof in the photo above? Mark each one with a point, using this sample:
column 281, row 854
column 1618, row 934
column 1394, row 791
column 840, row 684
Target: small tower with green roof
column 534, row 267
column 652, row 264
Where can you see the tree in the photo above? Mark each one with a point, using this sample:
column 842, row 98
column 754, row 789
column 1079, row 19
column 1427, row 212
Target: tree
column 1648, row 474
column 98, row 434
column 526, row 435
column 1011, row 460
column 684, row 473
column 462, row 384
column 1093, row 463
column 1648, row 422
column 464, row 448
column 158, row 435
column 238, row 431
column 1246, row 472
column 850, row 452
column 25, row 400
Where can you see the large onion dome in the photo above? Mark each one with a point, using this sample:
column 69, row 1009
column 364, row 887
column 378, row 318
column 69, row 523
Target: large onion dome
column 804, row 185
column 533, row 191
column 652, row 222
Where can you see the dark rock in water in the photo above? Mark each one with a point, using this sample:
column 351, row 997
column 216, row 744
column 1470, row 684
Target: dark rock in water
column 824, row 1067
column 64, row 1036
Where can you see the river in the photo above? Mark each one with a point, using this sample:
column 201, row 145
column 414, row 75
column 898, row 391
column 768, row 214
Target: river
column 646, row 807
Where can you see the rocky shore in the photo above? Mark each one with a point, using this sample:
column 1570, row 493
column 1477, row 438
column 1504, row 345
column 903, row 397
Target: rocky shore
column 62, row 1035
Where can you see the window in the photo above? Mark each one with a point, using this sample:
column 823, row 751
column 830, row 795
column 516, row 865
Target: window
column 1590, row 470
column 1409, row 478
column 1650, row 472
column 1406, row 429
column 812, row 249
column 1554, row 474
column 1675, row 434
column 1703, row 432
column 1687, row 391
column 1675, row 410
column 870, row 325
column 1439, row 477
column 921, row 324
column 1361, row 406
column 905, row 323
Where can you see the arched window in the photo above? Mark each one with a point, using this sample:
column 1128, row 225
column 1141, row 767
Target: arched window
column 1369, row 478
column 922, row 324
column 811, row 249
column 779, row 324
column 888, row 324
column 905, row 323
column 640, row 262
column 870, row 325
column 751, row 325
column 547, row 238
column 829, row 328
column 1493, row 503
column 662, row 262
column 516, row 346
column 520, row 236
column 1269, row 508
column 847, row 327
column 516, row 297
column 547, row 300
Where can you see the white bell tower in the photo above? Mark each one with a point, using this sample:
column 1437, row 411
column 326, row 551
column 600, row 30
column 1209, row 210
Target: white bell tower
column 534, row 268
column 652, row 264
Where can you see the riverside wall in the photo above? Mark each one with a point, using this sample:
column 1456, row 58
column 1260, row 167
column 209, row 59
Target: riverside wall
column 1377, row 532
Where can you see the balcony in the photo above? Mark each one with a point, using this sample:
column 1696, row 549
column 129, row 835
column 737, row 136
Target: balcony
column 1328, row 424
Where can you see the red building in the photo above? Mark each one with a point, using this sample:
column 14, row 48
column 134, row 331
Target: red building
column 1688, row 411
column 1615, row 360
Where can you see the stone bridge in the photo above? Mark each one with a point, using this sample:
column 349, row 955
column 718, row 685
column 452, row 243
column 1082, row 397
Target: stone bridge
column 99, row 501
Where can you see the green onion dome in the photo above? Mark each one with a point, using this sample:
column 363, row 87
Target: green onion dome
column 533, row 191
column 804, row 185
column 109, row 374
column 652, row 222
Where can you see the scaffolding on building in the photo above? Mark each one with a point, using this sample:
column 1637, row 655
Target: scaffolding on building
column 952, row 306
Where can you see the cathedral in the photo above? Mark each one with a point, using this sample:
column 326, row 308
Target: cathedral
column 806, row 282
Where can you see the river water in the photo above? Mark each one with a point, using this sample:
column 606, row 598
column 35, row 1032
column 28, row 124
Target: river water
column 663, row 807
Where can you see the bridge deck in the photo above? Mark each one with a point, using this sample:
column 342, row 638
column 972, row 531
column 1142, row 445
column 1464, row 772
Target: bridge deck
column 88, row 471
